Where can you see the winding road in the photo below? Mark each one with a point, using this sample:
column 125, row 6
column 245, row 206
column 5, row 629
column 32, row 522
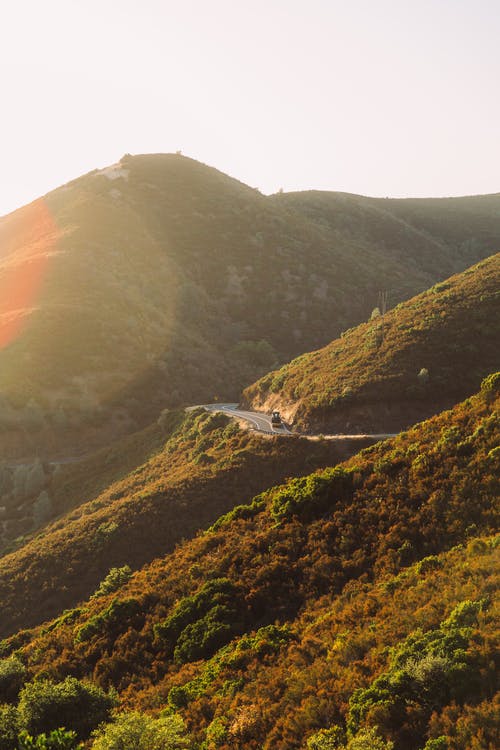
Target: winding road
column 261, row 422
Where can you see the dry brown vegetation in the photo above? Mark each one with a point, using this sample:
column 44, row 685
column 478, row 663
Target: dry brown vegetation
column 358, row 596
column 137, row 500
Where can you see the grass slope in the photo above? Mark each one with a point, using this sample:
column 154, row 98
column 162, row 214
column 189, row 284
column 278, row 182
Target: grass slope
column 358, row 597
column 126, row 283
column 421, row 357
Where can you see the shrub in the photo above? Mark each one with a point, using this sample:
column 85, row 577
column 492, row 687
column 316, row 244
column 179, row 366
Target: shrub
column 111, row 620
column 12, row 674
column 440, row 743
column 235, row 656
column 81, row 707
column 135, row 731
column 309, row 496
column 203, row 459
column 464, row 615
column 203, row 622
column 115, row 579
column 9, row 727
column 368, row 739
column 67, row 617
column 216, row 733
column 491, row 385
column 58, row 739
column 327, row 739
column 432, row 562
column 427, row 669
column 334, row 739
column 278, row 381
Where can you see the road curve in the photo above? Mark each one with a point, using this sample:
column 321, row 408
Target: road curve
column 259, row 421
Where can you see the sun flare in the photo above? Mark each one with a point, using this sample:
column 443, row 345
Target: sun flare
column 29, row 238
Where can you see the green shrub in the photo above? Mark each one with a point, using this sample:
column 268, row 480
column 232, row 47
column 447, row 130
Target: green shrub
column 58, row 739
column 135, row 731
column 111, row 620
column 334, row 739
column 464, row 615
column 115, row 579
column 204, row 459
column 491, row 385
column 309, row 496
column 327, row 739
column 203, row 622
column 67, row 617
column 205, row 636
column 240, row 511
column 9, row 727
column 12, row 675
column 78, row 706
column 427, row 669
column 440, row 743
column 278, row 381
column 235, row 656
column 216, row 733
column 368, row 739
column 428, row 563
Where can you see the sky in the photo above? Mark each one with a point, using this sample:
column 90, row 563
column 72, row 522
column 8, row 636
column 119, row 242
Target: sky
column 378, row 97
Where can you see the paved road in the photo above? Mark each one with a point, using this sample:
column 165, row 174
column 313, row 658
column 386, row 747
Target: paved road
column 259, row 421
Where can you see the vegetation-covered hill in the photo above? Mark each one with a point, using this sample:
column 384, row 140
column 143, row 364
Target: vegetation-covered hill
column 121, row 287
column 419, row 358
column 458, row 230
column 359, row 600
column 134, row 501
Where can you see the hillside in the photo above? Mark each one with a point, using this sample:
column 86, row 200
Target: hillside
column 416, row 360
column 467, row 227
column 358, row 599
column 123, row 285
column 135, row 501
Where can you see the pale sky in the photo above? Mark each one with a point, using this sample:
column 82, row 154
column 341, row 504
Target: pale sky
column 378, row 97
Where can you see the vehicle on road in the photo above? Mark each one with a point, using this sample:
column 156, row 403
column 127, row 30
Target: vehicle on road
column 276, row 419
